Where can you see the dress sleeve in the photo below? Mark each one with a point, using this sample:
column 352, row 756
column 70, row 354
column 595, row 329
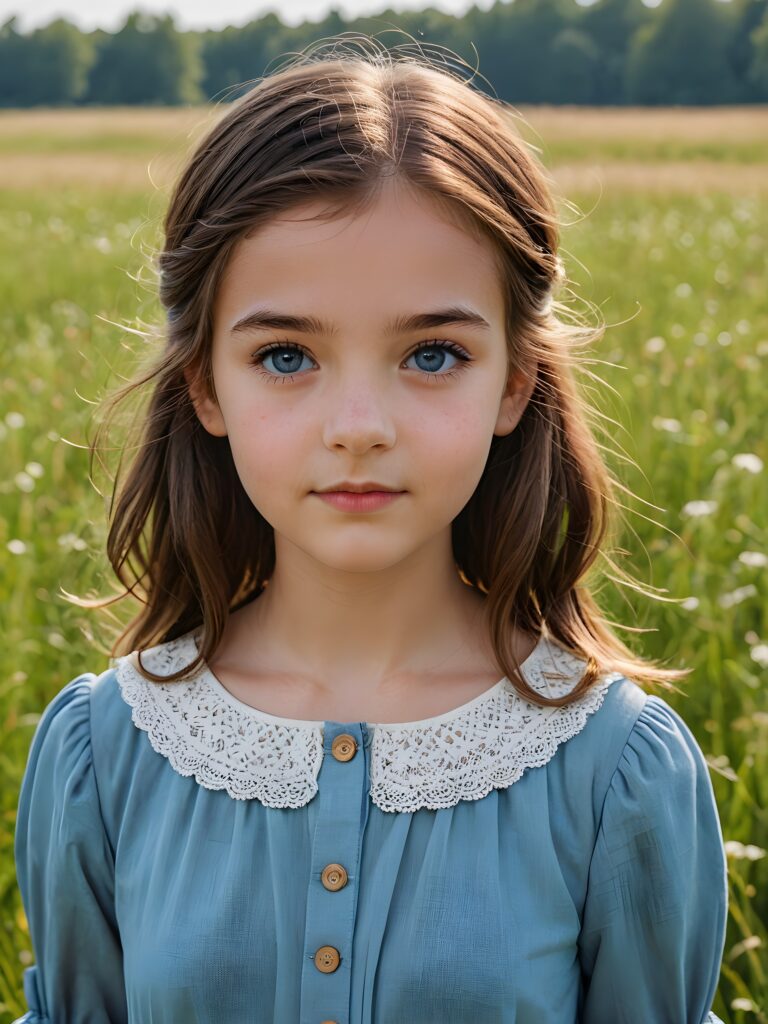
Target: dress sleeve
column 653, row 928
column 65, row 872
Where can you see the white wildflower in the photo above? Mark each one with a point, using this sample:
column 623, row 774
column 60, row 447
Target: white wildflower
column 683, row 290
column 15, row 420
column 694, row 509
column 754, row 559
column 759, row 653
column 655, row 344
column 740, row 851
column 71, row 542
column 737, row 596
column 749, row 461
column 16, row 547
column 670, row 425
column 34, row 469
column 690, row 604
column 24, row 482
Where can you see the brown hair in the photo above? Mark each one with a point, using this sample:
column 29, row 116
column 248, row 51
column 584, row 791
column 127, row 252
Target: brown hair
column 184, row 537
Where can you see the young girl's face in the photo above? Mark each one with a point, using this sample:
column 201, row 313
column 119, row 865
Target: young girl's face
column 350, row 397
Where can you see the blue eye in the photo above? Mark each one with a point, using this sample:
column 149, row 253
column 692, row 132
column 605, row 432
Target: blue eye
column 287, row 359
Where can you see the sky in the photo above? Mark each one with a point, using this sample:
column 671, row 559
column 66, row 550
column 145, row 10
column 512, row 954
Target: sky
column 110, row 14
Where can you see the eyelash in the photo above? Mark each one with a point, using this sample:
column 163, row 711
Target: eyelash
column 259, row 356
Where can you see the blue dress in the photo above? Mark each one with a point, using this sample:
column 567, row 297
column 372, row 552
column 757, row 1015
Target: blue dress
column 184, row 858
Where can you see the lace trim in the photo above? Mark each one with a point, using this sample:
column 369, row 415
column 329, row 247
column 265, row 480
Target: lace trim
column 462, row 754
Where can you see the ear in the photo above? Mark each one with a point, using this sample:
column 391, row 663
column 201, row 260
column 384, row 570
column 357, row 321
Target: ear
column 208, row 411
column 516, row 395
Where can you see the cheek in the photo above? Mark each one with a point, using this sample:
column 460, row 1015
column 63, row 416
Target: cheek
column 264, row 447
column 452, row 446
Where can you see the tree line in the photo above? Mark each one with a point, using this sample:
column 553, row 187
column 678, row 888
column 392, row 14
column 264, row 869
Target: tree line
column 611, row 53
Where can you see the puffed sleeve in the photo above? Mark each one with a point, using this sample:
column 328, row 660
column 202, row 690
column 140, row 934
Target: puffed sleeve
column 653, row 928
column 65, row 872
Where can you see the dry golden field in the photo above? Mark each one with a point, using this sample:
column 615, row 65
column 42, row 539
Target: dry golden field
column 587, row 150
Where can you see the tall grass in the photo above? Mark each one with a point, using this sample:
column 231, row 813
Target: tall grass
column 681, row 277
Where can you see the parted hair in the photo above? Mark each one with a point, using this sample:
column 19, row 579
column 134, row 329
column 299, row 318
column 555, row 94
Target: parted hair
column 334, row 122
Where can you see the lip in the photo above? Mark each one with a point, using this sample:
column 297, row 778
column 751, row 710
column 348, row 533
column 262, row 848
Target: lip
column 358, row 488
column 358, row 501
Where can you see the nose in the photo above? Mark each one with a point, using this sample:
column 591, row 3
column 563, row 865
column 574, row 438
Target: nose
column 357, row 416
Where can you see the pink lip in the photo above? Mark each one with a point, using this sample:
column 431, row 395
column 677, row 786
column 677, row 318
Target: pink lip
column 356, row 501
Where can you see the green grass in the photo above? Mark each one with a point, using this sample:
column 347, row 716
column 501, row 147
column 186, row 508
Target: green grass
column 556, row 151
column 652, row 150
column 683, row 280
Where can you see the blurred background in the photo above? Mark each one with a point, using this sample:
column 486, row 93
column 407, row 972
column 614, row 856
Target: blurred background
column 652, row 121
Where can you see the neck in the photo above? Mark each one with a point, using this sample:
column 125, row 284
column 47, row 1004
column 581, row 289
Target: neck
column 319, row 624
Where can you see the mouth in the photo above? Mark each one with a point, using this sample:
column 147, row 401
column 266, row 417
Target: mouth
column 358, row 501
column 366, row 488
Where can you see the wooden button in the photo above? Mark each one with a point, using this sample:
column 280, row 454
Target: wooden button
column 327, row 959
column 344, row 747
column 334, row 877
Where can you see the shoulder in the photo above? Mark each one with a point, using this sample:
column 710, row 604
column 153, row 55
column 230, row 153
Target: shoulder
column 659, row 825
column 90, row 707
column 86, row 727
column 662, row 760
column 649, row 733
column 644, row 756
column 632, row 737
column 88, row 714
column 89, row 704
column 59, row 779
column 62, row 736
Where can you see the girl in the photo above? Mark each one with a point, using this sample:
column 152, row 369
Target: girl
column 365, row 488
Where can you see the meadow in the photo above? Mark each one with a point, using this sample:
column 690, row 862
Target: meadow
column 664, row 235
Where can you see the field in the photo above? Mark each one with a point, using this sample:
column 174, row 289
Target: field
column 664, row 235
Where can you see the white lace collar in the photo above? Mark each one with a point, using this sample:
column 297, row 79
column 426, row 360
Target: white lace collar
column 485, row 744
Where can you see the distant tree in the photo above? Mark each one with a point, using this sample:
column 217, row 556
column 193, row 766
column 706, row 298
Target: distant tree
column 748, row 17
column 757, row 74
column 13, row 51
column 514, row 42
column 57, row 60
column 529, row 28
column 147, row 61
column 521, row 51
column 577, row 59
column 331, row 24
column 234, row 56
column 611, row 24
column 680, row 57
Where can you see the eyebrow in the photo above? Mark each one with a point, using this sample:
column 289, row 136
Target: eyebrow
column 270, row 319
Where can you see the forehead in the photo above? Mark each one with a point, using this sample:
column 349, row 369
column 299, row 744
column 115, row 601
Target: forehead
column 403, row 249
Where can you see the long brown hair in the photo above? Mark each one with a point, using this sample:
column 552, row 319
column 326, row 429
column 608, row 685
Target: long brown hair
column 184, row 537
